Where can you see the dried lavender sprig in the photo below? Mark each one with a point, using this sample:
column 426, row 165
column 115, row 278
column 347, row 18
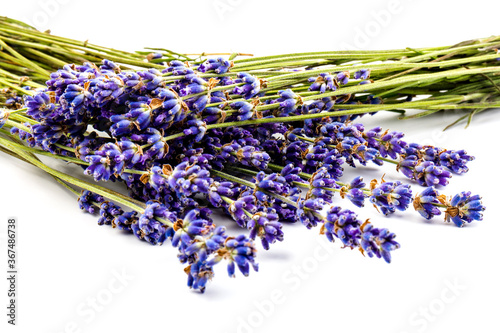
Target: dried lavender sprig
column 395, row 195
column 428, row 165
column 461, row 208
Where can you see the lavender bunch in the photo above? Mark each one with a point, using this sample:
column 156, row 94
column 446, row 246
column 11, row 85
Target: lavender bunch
column 265, row 145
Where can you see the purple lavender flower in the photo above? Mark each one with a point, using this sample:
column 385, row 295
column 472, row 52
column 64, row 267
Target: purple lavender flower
column 378, row 242
column 291, row 174
column 213, row 115
column 425, row 202
column 407, row 166
column 140, row 113
column 321, row 184
column 108, row 89
column 13, row 100
column 313, row 157
column 199, row 273
column 187, row 229
column 151, row 79
column 60, row 79
column 245, row 110
column 455, row 160
column 196, row 85
column 87, row 201
column 108, row 211
column 349, row 143
column 149, row 228
column 178, row 68
column 272, row 183
column 157, row 179
column 246, row 155
column 308, row 212
column 354, row 192
column 40, row 105
column 288, row 102
column 172, row 109
column 388, row 143
column 343, row 78
column 266, row 226
column 250, row 156
column 413, row 149
column 55, row 129
column 362, row 74
column 197, row 128
column 219, row 65
column 239, row 251
column 125, row 221
column 333, row 163
column 105, row 162
column 76, row 97
column 132, row 152
column 323, row 82
column 238, row 209
column 428, row 174
column 293, row 151
column 110, row 66
column 390, row 196
column 250, row 88
column 159, row 147
column 463, row 208
column 342, row 224
column 218, row 190
column 188, row 179
column 202, row 247
column 23, row 135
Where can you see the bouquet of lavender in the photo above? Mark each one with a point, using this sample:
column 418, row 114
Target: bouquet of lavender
column 265, row 140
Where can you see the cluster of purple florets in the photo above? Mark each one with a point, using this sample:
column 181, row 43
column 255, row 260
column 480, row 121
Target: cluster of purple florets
column 155, row 131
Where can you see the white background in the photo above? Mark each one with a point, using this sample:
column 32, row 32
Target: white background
column 66, row 259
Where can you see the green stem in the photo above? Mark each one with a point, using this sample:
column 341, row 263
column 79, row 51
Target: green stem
column 12, row 123
column 233, row 178
column 252, row 185
column 62, row 157
column 124, row 200
column 22, row 60
column 387, row 160
column 16, row 87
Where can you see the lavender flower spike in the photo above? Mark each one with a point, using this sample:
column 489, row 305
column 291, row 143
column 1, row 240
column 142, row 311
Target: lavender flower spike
column 425, row 203
column 464, row 207
column 378, row 242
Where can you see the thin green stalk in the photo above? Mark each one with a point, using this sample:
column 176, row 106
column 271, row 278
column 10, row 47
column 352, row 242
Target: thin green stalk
column 75, row 181
column 22, row 60
column 61, row 157
column 13, row 154
column 252, row 185
column 15, row 87
column 19, row 117
column 58, row 40
column 50, row 59
column 233, row 178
